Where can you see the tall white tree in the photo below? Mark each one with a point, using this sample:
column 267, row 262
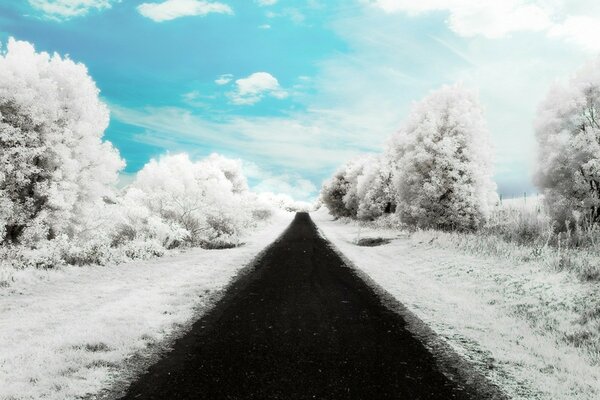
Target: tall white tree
column 353, row 170
column 374, row 188
column 333, row 192
column 568, row 134
column 55, row 169
column 444, row 163
column 339, row 193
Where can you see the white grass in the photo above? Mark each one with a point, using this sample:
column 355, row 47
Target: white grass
column 518, row 323
column 69, row 332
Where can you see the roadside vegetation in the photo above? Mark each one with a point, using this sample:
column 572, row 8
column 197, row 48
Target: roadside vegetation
column 60, row 203
column 435, row 208
column 436, row 174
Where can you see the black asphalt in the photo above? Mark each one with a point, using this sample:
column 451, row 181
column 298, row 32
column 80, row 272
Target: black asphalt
column 301, row 325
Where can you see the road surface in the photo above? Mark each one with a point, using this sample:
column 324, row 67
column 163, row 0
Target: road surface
column 301, row 325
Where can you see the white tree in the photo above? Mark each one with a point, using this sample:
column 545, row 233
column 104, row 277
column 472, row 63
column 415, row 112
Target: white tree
column 568, row 134
column 339, row 193
column 233, row 171
column 374, row 188
column 333, row 192
column 206, row 199
column 55, row 170
column 444, row 167
column 353, row 170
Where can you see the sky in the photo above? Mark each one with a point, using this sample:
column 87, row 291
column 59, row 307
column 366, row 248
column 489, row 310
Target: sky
column 295, row 88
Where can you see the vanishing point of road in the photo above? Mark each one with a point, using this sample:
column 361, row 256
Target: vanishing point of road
column 300, row 325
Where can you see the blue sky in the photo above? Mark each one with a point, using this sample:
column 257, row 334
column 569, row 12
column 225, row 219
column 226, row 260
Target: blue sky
column 296, row 87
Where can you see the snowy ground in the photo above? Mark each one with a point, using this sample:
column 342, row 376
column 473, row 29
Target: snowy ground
column 519, row 324
column 71, row 332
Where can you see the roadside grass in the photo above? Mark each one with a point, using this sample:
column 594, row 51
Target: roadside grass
column 523, row 308
column 519, row 231
column 77, row 332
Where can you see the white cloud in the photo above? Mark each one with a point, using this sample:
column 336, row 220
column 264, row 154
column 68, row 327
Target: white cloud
column 66, row 9
column 583, row 31
column 291, row 184
column 264, row 26
column 172, row 9
column 191, row 96
column 294, row 14
column 489, row 18
column 575, row 21
column 224, row 79
column 263, row 3
column 252, row 89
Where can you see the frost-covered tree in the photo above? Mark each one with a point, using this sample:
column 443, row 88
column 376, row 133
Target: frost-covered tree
column 55, row 170
column 568, row 134
column 232, row 170
column 333, row 192
column 206, row 200
column 339, row 193
column 444, row 170
column 374, row 188
column 353, row 170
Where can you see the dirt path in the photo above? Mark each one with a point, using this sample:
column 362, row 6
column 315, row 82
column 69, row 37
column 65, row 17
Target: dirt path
column 302, row 325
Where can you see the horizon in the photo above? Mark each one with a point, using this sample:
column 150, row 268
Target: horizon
column 297, row 88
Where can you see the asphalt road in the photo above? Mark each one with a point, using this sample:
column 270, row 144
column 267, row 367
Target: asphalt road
column 301, row 325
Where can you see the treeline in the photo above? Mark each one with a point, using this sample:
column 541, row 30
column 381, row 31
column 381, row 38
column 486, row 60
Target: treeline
column 436, row 171
column 58, row 197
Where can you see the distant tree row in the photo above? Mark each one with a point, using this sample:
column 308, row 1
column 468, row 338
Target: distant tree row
column 436, row 172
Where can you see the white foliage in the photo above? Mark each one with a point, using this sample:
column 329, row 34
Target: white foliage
column 333, row 193
column 568, row 134
column 444, row 167
column 374, row 189
column 55, row 170
column 174, row 199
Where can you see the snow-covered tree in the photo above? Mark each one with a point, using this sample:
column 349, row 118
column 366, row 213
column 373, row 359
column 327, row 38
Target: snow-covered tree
column 444, row 169
column 233, row 171
column 352, row 172
column 568, row 134
column 374, row 188
column 339, row 193
column 55, row 170
column 206, row 200
column 333, row 192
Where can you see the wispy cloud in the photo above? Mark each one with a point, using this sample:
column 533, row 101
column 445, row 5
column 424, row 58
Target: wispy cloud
column 172, row 9
column 312, row 143
column 264, row 3
column 224, row 79
column 66, row 9
column 291, row 184
column 252, row 89
column 573, row 21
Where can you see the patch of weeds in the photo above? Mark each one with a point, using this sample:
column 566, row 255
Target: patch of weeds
column 579, row 338
column 372, row 242
column 101, row 364
column 68, row 372
column 220, row 245
column 590, row 315
column 94, row 347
